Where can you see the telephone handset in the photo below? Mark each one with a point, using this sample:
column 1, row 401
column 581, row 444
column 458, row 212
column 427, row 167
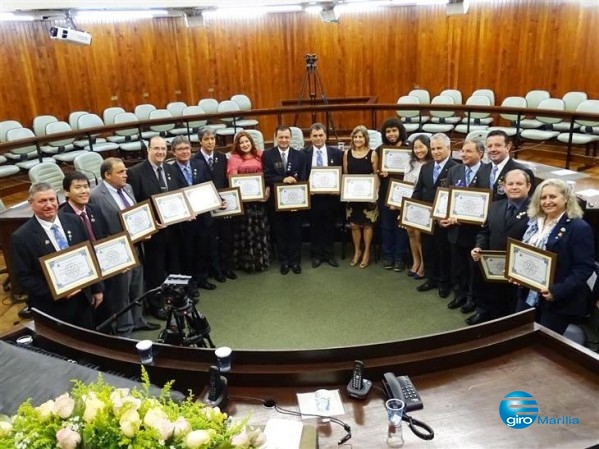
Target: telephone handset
column 358, row 387
column 401, row 387
column 217, row 389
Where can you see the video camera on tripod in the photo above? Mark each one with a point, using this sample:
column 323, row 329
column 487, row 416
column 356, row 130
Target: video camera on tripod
column 182, row 315
column 311, row 60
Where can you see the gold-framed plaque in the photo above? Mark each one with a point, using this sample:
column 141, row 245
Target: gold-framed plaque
column 441, row 203
column 70, row 269
column 202, row 197
column 325, row 180
column 492, row 265
column 469, row 204
column 138, row 220
column 251, row 186
column 172, row 207
column 232, row 199
column 359, row 188
column 416, row 214
column 529, row 266
column 395, row 160
column 292, row 196
column 115, row 254
column 397, row 191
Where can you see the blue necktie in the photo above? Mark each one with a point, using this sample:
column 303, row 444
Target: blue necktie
column 319, row 158
column 468, row 176
column 59, row 236
column 187, row 174
column 493, row 175
column 436, row 172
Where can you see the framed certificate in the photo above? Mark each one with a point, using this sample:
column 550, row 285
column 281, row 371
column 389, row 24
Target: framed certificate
column 469, row 205
column 529, row 266
column 232, row 198
column 292, row 196
column 359, row 188
column 417, row 214
column 395, row 160
column 325, row 180
column 202, row 197
column 115, row 254
column 398, row 190
column 441, row 203
column 138, row 221
column 492, row 264
column 71, row 269
column 251, row 186
column 172, row 207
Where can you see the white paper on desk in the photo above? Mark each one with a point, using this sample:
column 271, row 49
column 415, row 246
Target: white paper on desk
column 564, row 172
column 588, row 192
column 307, row 405
column 283, row 434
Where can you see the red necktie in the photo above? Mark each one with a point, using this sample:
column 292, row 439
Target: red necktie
column 88, row 227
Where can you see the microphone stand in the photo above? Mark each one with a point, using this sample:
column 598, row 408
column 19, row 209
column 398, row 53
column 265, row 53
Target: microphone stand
column 120, row 313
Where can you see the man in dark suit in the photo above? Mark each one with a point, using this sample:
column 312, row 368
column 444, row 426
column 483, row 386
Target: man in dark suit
column 493, row 175
column 435, row 248
column 109, row 197
column 161, row 252
column 462, row 236
column 283, row 164
column 45, row 233
column 507, row 218
column 325, row 208
column 219, row 233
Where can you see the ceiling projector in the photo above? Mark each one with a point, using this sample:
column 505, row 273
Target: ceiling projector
column 70, row 35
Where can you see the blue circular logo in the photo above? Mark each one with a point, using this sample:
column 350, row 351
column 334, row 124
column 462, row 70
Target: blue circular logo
column 518, row 410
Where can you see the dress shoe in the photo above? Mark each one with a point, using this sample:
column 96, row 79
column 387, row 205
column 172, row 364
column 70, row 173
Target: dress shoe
column 159, row 313
column 418, row 277
column 457, row 301
column 411, row 273
column 316, row 263
column 206, row 285
column 398, row 267
column 25, row 312
column 388, row 265
column 333, row 262
column 444, row 292
column 230, row 274
column 221, row 278
column 296, row 269
column 284, row 269
column 469, row 307
column 428, row 285
column 147, row 327
column 477, row 318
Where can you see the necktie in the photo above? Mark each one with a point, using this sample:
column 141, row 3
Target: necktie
column 59, row 236
column 88, row 227
column 468, row 176
column 511, row 211
column 187, row 174
column 123, row 198
column 161, row 182
column 493, row 175
column 284, row 160
column 319, row 158
column 210, row 162
column 436, row 172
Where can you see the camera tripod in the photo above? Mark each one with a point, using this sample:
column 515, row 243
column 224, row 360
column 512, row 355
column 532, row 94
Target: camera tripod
column 182, row 317
column 312, row 84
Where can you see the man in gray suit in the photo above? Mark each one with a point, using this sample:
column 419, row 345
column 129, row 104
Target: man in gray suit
column 111, row 196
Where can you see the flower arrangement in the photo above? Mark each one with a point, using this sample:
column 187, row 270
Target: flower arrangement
column 99, row 416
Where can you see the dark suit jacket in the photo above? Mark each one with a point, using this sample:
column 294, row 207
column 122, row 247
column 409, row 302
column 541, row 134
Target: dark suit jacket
column 102, row 201
column 498, row 192
column 334, row 157
column 218, row 174
column 495, row 232
column 425, row 189
column 142, row 179
column 274, row 172
column 96, row 218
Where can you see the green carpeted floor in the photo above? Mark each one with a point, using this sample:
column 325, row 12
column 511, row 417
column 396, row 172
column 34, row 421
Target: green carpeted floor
column 322, row 307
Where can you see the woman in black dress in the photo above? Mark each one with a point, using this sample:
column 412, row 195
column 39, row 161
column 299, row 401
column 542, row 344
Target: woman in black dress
column 361, row 160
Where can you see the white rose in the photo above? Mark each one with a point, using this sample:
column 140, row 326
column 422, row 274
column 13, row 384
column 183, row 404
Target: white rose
column 153, row 416
column 165, row 429
column 92, row 406
column 197, row 438
column 64, row 405
column 130, row 423
column 46, row 409
column 117, row 398
column 5, row 428
column 181, row 427
column 67, row 438
column 241, row 439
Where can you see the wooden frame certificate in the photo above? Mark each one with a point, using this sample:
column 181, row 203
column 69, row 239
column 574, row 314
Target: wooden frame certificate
column 115, row 254
column 250, row 185
column 203, row 197
column 441, row 203
column 71, row 269
column 398, row 190
column 232, row 198
column 292, row 196
column 138, row 221
column 172, row 207
column 529, row 266
column 492, row 264
column 417, row 215
column 395, row 160
column 325, row 180
column 469, row 205
column 359, row 188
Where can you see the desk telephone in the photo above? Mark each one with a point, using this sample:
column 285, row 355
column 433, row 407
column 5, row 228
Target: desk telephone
column 401, row 387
